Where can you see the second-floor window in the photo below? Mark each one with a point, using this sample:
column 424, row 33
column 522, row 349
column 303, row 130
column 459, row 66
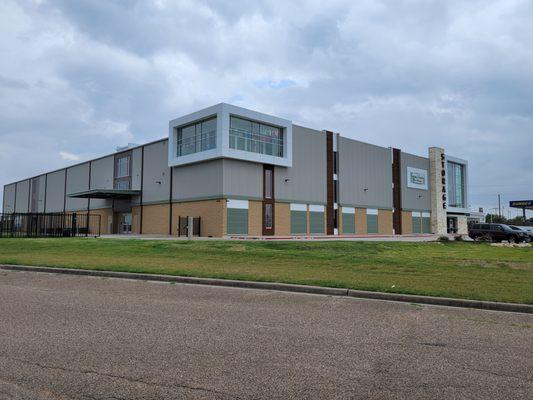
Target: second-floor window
column 197, row 137
column 123, row 167
column 122, row 179
column 255, row 137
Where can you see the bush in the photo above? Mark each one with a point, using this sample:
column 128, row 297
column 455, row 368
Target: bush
column 459, row 238
column 443, row 238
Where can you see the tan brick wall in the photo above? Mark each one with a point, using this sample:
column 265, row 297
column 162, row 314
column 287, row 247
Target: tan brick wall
column 104, row 213
column 385, row 222
column 156, row 219
column 282, row 217
column 136, row 219
column 106, row 220
column 407, row 222
column 360, row 221
column 255, row 218
column 212, row 215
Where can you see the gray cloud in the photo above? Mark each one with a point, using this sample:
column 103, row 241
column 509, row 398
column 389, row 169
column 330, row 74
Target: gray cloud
column 79, row 78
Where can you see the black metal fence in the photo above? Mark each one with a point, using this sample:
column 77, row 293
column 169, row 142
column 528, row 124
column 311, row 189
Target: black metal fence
column 45, row 225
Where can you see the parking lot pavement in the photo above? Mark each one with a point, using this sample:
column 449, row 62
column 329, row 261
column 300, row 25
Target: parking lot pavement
column 76, row 337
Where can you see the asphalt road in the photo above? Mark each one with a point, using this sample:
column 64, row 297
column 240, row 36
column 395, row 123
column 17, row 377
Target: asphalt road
column 73, row 337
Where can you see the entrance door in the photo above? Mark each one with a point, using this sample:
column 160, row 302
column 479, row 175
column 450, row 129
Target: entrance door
column 124, row 223
column 452, row 224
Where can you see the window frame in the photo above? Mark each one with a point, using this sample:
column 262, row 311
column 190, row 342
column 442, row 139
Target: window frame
column 119, row 180
column 256, row 137
column 201, row 141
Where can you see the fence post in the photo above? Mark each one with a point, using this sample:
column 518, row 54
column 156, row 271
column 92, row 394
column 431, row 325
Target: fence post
column 74, row 221
column 87, row 226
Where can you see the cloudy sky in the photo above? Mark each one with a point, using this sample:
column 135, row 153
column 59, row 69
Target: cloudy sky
column 78, row 78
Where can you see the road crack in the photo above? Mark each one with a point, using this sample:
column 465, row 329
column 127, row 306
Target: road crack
column 122, row 377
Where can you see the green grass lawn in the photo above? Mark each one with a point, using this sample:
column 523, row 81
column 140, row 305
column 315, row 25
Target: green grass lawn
column 464, row 270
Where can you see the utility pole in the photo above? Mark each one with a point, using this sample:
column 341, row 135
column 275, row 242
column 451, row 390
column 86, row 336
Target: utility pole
column 499, row 206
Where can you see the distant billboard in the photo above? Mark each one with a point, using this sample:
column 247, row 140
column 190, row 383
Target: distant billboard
column 521, row 204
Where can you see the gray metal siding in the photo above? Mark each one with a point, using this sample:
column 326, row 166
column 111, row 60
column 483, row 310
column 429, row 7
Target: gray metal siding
column 77, row 181
column 55, row 191
column 23, row 189
column 197, row 181
column 414, row 199
column 9, row 198
column 364, row 166
column 136, row 166
column 136, row 169
column 41, row 193
column 102, row 178
column 156, row 170
column 242, row 179
column 306, row 180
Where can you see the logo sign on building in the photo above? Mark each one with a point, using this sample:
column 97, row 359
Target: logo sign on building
column 417, row 178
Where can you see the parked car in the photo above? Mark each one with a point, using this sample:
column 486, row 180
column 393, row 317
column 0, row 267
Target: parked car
column 527, row 229
column 497, row 233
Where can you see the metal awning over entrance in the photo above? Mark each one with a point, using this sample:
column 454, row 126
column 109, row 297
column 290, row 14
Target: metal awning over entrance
column 105, row 194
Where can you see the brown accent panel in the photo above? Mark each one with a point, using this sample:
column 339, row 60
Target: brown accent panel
column 330, row 189
column 142, row 191
column 268, row 199
column 397, row 191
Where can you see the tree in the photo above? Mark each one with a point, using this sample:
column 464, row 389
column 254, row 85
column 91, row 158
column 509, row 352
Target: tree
column 495, row 218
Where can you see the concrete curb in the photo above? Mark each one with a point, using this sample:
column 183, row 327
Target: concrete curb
column 285, row 287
